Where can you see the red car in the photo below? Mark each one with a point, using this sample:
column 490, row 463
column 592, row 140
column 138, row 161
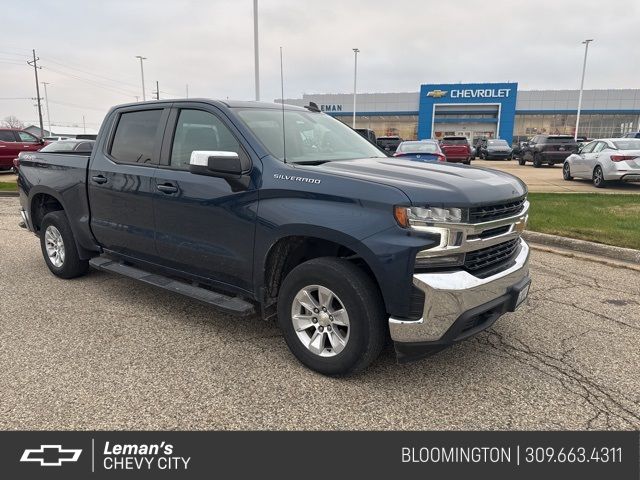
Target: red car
column 12, row 142
column 456, row 149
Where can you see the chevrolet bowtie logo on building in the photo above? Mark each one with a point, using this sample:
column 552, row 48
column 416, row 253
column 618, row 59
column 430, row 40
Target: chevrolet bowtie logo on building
column 50, row 455
column 436, row 93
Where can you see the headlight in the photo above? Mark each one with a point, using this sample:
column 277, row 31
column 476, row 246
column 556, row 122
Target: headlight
column 425, row 216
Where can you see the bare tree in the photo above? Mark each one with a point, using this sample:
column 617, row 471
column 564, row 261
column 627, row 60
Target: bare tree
column 12, row 122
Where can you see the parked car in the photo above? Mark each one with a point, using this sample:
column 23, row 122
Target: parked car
column 389, row 144
column 456, row 149
column 631, row 135
column 549, row 149
column 605, row 160
column 422, row 151
column 14, row 141
column 494, row 149
column 368, row 134
column 342, row 244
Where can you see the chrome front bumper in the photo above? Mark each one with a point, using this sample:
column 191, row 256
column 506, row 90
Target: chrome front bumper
column 448, row 295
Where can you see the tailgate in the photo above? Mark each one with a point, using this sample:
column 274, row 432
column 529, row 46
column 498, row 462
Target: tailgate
column 455, row 150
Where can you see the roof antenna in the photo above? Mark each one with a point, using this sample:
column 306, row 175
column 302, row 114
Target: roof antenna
column 284, row 142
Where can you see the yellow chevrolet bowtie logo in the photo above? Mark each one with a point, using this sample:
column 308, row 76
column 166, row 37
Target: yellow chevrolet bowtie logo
column 437, row 93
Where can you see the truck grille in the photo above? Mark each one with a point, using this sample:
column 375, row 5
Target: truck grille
column 494, row 256
column 495, row 212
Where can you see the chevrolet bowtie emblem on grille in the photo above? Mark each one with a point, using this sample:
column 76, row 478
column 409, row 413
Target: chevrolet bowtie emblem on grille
column 50, row 455
column 436, row 93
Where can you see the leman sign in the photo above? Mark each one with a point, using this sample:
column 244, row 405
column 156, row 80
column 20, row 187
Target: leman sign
column 331, row 108
column 481, row 93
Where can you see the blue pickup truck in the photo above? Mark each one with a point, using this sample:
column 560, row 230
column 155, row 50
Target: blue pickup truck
column 307, row 223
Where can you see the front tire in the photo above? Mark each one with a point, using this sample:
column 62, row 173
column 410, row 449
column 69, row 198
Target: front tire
column 566, row 171
column 522, row 161
column 59, row 247
column 332, row 316
column 598, row 178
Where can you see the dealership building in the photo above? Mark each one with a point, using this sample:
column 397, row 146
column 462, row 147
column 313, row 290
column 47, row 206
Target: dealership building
column 485, row 110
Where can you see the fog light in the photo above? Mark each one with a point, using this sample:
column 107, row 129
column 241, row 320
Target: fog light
column 423, row 260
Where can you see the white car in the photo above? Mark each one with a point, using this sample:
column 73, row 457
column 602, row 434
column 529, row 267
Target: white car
column 605, row 159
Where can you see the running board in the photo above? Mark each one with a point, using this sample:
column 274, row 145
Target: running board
column 228, row 304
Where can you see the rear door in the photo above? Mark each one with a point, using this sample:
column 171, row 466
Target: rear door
column 8, row 148
column 121, row 181
column 205, row 225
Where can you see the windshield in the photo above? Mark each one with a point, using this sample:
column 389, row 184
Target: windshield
column 631, row 144
column 310, row 136
column 418, row 147
column 454, row 141
column 498, row 143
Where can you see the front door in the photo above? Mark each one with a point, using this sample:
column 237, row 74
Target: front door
column 28, row 142
column 204, row 225
column 121, row 182
column 579, row 167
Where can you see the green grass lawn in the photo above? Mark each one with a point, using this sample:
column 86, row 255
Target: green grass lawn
column 8, row 187
column 613, row 219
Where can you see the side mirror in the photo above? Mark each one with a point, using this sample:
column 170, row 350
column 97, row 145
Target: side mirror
column 215, row 163
column 41, row 141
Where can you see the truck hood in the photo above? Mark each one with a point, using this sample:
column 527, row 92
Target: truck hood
column 437, row 184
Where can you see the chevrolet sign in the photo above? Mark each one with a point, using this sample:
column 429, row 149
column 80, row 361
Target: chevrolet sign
column 481, row 93
column 436, row 93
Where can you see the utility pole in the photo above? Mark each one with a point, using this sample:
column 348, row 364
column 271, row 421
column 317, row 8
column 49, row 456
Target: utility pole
column 187, row 90
column 144, row 96
column 34, row 63
column 255, row 48
column 355, row 80
column 84, row 125
column 584, row 68
column 157, row 91
column 46, row 101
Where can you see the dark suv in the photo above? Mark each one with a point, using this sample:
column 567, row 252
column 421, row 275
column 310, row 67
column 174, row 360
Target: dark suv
column 389, row 144
column 550, row 149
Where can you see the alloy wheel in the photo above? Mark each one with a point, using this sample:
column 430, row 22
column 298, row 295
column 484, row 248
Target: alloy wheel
column 55, row 246
column 320, row 320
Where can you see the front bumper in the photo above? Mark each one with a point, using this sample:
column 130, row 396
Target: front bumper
column 458, row 305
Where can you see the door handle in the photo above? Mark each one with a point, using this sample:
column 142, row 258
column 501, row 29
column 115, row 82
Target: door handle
column 167, row 188
column 99, row 179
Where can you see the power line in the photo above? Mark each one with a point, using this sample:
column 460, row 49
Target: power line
column 49, row 59
column 91, row 82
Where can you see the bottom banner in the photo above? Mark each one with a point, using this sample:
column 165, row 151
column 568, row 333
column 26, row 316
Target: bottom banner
column 311, row 455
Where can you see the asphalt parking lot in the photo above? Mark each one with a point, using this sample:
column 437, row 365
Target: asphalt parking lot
column 105, row 352
column 549, row 179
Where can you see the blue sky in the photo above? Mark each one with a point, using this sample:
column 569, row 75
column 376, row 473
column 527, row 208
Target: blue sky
column 88, row 48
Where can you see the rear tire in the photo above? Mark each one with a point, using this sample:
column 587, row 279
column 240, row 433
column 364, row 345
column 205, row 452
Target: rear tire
column 566, row 171
column 354, row 294
column 522, row 161
column 598, row 177
column 537, row 161
column 59, row 247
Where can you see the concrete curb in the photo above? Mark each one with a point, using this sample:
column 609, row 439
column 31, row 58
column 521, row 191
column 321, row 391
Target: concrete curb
column 8, row 194
column 620, row 254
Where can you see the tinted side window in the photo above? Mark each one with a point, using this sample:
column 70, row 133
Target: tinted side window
column 6, row 136
column 199, row 130
column 599, row 147
column 588, row 148
column 27, row 137
column 135, row 137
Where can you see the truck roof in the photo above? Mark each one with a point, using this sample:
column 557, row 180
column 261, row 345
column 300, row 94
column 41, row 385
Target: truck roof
column 224, row 103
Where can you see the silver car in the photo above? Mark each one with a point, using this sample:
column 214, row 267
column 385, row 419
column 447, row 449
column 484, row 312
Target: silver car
column 605, row 159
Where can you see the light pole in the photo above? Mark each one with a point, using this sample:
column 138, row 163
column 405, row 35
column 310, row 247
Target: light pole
column 255, row 49
column 355, row 82
column 46, row 100
column 584, row 68
column 144, row 96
